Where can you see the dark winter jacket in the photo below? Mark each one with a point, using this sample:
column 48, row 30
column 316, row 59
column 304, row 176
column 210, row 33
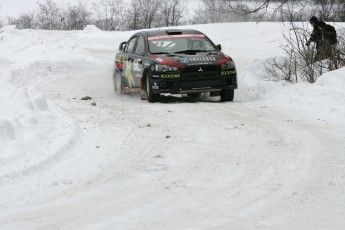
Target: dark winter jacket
column 321, row 35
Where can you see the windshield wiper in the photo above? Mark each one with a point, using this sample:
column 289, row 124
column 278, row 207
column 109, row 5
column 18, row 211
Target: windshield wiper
column 161, row 53
column 213, row 52
column 190, row 51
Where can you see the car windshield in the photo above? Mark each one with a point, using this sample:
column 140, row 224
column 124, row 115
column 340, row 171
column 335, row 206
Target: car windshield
column 184, row 43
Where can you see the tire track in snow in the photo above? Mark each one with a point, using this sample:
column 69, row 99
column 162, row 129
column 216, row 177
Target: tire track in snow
column 213, row 173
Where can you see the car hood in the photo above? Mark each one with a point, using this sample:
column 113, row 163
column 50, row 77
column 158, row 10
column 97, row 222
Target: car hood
column 184, row 60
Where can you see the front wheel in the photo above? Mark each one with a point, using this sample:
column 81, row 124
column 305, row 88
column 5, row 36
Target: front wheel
column 227, row 94
column 151, row 97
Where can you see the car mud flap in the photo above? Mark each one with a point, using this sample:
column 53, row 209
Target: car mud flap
column 127, row 90
column 143, row 95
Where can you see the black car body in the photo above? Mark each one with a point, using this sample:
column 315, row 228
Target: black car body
column 176, row 62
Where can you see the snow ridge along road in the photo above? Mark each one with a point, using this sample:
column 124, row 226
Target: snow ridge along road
column 273, row 159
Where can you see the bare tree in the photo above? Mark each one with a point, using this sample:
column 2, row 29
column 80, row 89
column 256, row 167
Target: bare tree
column 0, row 18
column 149, row 12
column 110, row 14
column 249, row 6
column 254, row 10
column 171, row 12
column 133, row 16
column 107, row 15
column 341, row 12
column 142, row 14
column 76, row 17
column 213, row 11
column 24, row 21
column 48, row 15
column 326, row 9
column 208, row 14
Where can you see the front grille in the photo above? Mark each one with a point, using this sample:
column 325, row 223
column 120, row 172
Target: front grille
column 201, row 75
column 200, row 84
column 198, row 68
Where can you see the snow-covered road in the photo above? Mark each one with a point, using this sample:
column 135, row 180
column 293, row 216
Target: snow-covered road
column 273, row 159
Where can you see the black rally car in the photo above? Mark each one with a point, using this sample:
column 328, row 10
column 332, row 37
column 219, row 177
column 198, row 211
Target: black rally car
column 176, row 62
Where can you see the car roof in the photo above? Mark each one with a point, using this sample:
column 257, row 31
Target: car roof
column 169, row 31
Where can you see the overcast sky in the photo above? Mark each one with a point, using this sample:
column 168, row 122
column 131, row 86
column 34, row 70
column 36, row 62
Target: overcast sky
column 15, row 7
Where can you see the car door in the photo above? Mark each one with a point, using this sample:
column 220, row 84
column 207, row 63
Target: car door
column 128, row 78
column 138, row 56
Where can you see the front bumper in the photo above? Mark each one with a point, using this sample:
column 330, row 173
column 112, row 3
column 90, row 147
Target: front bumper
column 180, row 84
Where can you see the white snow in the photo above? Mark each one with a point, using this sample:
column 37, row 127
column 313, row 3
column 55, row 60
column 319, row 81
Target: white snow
column 273, row 159
column 334, row 81
column 92, row 29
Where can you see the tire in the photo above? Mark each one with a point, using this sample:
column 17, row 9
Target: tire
column 151, row 97
column 227, row 94
column 117, row 79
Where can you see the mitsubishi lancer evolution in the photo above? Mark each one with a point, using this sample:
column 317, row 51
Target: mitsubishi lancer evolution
column 184, row 61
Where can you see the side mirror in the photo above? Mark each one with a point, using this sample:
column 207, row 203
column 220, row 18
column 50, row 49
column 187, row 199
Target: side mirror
column 219, row 47
column 122, row 45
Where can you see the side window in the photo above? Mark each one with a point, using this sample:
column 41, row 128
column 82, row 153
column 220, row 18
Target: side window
column 140, row 49
column 131, row 44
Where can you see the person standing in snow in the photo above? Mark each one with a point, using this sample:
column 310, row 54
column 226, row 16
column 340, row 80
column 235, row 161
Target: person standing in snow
column 325, row 37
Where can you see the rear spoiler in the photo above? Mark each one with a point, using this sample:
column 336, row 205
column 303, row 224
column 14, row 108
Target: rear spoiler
column 173, row 32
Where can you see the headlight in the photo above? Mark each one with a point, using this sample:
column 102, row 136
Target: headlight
column 166, row 68
column 228, row 65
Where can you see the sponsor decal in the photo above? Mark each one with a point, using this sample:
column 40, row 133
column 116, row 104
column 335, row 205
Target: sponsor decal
column 166, row 37
column 123, row 58
column 184, row 60
column 200, row 59
column 127, row 73
column 199, row 63
column 137, row 66
column 229, row 72
column 170, row 76
column 159, row 59
column 165, row 61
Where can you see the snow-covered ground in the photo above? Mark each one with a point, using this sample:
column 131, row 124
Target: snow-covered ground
column 273, row 159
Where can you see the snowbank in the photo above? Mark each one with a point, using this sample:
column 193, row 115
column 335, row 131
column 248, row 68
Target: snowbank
column 334, row 81
column 30, row 130
column 8, row 29
column 92, row 29
column 323, row 100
